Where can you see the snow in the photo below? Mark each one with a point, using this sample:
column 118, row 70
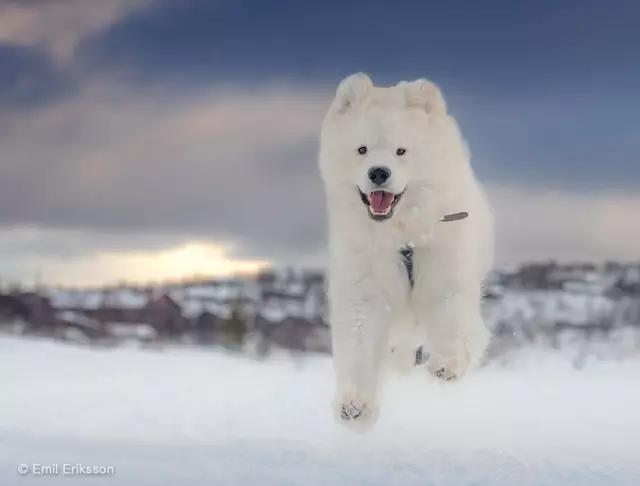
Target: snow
column 217, row 298
column 202, row 416
column 79, row 320
column 192, row 309
column 126, row 298
column 76, row 299
column 220, row 291
column 131, row 330
column 545, row 308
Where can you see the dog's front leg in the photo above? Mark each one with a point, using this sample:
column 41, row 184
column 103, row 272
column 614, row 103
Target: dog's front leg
column 360, row 313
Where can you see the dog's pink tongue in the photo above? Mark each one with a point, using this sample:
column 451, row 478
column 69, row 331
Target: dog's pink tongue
column 380, row 200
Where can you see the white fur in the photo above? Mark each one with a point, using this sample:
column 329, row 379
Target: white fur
column 372, row 306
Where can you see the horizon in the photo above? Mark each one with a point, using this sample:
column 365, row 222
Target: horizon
column 202, row 279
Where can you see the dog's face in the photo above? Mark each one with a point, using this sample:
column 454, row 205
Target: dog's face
column 377, row 141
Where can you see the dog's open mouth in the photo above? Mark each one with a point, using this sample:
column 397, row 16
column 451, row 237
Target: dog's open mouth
column 380, row 203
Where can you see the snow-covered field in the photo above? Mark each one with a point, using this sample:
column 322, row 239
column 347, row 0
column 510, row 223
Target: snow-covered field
column 184, row 416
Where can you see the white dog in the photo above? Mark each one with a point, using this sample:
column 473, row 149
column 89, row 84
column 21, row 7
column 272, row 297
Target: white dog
column 397, row 176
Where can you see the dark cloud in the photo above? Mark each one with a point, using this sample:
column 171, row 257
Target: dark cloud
column 563, row 141
column 29, row 77
column 544, row 91
column 193, row 171
column 496, row 47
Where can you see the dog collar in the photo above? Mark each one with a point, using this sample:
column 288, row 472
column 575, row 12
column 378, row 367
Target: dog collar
column 447, row 218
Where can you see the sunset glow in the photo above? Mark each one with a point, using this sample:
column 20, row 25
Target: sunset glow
column 191, row 260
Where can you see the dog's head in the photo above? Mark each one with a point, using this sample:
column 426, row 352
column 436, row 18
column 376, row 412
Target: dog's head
column 383, row 142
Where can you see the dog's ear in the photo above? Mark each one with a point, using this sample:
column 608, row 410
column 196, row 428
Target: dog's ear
column 351, row 91
column 424, row 94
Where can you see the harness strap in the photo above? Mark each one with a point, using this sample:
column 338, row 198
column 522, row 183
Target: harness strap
column 407, row 251
column 407, row 258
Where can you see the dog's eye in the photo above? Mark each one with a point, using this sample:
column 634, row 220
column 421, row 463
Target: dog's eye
column 362, row 149
column 401, row 151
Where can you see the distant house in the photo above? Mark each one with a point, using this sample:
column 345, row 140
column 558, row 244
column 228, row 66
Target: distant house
column 31, row 309
column 208, row 327
column 293, row 294
column 217, row 298
column 125, row 306
column 164, row 314
column 40, row 311
column 295, row 334
column 121, row 305
column 12, row 308
column 629, row 280
column 73, row 325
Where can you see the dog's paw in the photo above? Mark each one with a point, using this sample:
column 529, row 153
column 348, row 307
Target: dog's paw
column 448, row 367
column 445, row 374
column 356, row 414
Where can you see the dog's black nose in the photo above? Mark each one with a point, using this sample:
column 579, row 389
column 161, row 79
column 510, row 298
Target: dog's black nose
column 379, row 175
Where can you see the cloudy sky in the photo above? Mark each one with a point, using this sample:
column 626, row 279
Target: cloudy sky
column 149, row 139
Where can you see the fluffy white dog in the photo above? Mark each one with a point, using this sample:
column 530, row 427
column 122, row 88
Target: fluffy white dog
column 399, row 184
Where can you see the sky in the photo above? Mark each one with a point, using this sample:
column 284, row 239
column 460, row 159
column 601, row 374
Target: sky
column 144, row 140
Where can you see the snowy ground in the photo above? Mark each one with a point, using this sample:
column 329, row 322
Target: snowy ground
column 180, row 416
